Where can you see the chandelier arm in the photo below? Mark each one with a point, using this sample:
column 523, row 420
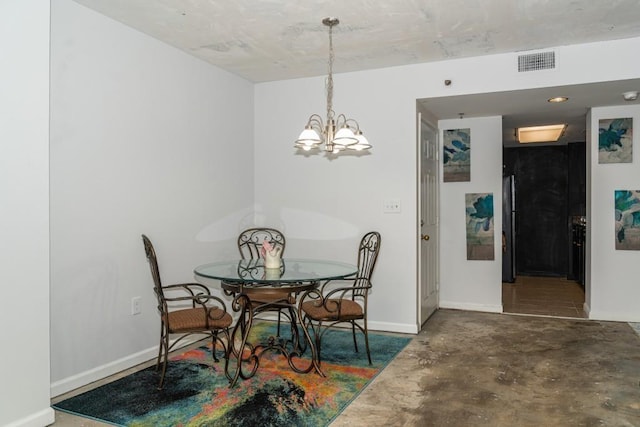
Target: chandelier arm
column 315, row 121
column 351, row 122
column 344, row 121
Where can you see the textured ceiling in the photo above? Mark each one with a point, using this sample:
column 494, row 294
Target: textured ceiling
column 266, row 40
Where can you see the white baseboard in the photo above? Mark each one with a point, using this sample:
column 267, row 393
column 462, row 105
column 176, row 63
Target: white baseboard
column 41, row 418
column 83, row 378
column 587, row 310
column 472, row 307
column 401, row 328
column 614, row 316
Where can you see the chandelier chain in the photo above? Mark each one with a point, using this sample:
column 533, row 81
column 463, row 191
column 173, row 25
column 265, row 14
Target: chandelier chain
column 330, row 77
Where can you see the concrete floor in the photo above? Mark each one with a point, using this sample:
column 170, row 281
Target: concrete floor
column 484, row 369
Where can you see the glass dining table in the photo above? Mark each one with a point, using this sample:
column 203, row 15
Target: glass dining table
column 241, row 278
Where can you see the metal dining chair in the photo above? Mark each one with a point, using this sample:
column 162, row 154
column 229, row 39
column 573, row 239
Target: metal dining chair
column 250, row 243
column 334, row 303
column 207, row 313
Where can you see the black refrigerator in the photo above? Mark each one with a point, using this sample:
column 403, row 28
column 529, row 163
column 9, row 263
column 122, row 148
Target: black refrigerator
column 508, row 229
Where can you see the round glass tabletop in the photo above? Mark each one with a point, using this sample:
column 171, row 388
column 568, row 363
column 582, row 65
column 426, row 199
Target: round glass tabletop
column 292, row 270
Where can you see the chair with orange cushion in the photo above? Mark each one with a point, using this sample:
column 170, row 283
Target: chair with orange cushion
column 335, row 303
column 196, row 312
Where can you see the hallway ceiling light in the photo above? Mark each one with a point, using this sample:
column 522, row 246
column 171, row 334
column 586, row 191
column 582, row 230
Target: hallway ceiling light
column 317, row 134
column 556, row 99
column 549, row 133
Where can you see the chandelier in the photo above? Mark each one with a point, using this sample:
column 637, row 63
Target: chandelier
column 336, row 133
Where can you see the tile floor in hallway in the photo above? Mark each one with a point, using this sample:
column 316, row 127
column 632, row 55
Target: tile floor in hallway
column 544, row 296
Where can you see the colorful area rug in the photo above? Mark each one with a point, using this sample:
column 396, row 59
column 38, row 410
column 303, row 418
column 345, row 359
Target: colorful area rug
column 197, row 393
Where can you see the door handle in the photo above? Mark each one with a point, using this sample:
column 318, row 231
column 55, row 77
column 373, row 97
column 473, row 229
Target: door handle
column 425, row 237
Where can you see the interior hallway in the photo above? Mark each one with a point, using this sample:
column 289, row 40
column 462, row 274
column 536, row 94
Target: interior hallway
column 544, row 296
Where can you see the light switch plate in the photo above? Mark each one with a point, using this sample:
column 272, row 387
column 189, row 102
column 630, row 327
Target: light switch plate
column 391, row 206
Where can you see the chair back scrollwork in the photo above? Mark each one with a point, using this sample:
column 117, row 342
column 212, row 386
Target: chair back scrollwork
column 155, row 273
column 250, row 241
column 367, row 257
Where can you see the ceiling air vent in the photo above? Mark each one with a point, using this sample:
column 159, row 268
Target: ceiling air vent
column 536, row 61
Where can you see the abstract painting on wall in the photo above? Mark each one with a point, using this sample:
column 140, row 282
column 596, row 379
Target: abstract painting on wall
column 479, row 215
column 615, row 140
column 456, row 158
column 627, row 216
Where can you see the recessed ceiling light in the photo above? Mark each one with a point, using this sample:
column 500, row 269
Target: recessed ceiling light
column 549, row 133
column 558, row 99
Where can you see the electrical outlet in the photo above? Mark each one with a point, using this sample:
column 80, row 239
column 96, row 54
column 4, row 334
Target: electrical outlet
column 391, row 206
column 135, row 305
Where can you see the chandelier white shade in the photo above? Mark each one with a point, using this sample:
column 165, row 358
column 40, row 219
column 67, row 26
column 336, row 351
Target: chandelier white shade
column 336, row 133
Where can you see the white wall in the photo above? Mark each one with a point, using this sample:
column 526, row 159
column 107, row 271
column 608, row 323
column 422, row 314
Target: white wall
column 472, row 285
column 613, row 292
column 327, row 204
column 144, row 139
column 24, row 213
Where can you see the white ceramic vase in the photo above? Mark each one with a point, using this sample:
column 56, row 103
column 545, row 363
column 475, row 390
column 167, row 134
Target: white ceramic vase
column 272, row 258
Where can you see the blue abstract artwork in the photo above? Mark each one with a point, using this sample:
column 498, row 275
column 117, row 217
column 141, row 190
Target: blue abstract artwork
column 615, row 140
column 480, row 226
column 627, row 218
column 456, row 155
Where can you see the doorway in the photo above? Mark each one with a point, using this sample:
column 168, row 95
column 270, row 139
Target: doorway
column 544, row 296
column 545, row 203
